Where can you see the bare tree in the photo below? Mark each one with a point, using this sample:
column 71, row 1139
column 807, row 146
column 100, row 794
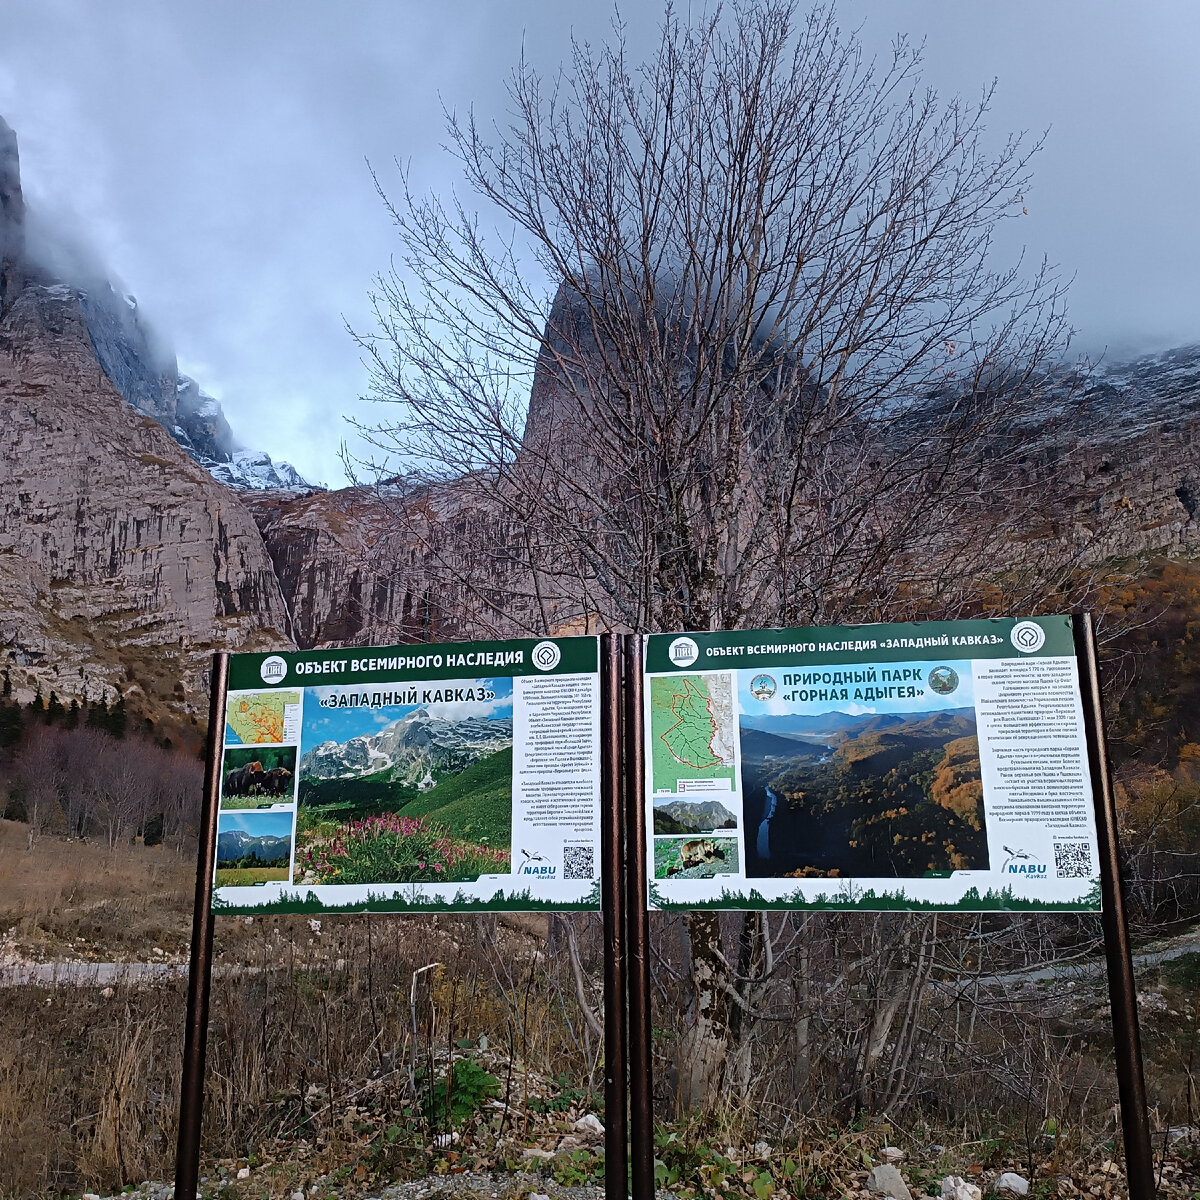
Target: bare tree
column 39, row 776
column 779, row 375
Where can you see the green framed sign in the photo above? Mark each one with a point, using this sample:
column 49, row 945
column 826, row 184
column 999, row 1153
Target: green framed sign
column 940, row 765
column 431, row 777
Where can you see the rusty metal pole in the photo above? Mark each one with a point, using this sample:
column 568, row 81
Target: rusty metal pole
column 641, row 1089
column 612, row 884
column 1122, row 989
column 191, row 1098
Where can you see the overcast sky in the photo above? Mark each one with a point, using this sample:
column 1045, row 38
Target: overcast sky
column 214, row 153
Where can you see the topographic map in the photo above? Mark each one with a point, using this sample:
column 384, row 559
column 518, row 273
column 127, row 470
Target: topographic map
column 266, row 717
column 693, row 733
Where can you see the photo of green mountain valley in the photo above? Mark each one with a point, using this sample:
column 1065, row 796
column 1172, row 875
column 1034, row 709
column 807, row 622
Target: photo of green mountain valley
column 425, row 798
column 864, row 797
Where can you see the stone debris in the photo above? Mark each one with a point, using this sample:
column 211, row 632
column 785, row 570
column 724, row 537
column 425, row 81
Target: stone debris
column 886, row 1181
column 891, row 1154
column 1011, row 1184
column 243, row 1173
column 955, row 1187
column 589, row 1123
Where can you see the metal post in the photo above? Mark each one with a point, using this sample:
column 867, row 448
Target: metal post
column 1122, row 990
column 612, row 883
column 641, row 1089
column 191, row 1098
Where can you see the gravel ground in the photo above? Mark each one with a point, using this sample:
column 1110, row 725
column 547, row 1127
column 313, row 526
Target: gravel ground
column 508, row 1185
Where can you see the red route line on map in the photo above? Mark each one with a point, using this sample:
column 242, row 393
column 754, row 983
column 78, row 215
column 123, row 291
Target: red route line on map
column 662, row 737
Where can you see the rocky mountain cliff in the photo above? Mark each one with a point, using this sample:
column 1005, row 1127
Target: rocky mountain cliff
column 136, row 360
column 127, row 555
column 123, row 564
column 412, row 749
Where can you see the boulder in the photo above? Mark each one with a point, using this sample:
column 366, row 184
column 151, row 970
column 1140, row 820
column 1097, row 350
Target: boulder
column 1011, row 1184
column 885, row 1180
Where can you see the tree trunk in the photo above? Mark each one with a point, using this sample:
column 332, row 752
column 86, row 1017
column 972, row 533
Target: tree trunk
column 706, row 1042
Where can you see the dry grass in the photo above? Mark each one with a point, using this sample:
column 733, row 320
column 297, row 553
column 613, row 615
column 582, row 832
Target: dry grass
column 77, row 899
column 323, row 1055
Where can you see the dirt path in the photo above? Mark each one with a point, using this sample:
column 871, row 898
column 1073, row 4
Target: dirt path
column 1151, row 955
column 100, row 974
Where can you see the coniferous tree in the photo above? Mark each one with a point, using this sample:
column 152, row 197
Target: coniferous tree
column 118, row 721
column 55, row 711
column 97, row 715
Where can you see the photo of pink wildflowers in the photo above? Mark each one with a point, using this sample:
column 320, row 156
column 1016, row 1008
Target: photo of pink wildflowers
column 406, row 794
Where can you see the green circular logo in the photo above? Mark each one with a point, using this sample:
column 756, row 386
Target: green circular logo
column 943, row 680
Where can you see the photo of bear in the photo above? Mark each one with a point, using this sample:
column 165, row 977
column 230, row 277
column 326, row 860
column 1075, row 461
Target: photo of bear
column 695, row 858
column 254, row 777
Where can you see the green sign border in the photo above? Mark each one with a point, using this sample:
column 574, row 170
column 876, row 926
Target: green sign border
column 837, row 644
column 580, row 656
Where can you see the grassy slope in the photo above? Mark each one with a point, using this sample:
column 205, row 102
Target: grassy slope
column 474, row 804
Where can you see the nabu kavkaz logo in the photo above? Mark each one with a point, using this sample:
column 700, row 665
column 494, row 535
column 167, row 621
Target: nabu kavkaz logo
column 529, row 865
column 1021, row 862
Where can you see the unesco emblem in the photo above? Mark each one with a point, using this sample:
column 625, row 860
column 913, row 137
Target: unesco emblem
column 683, row 651
column 546, row 656
column 273, row 669
column 1028, row 636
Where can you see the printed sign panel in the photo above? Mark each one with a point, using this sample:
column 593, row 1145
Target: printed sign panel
column 927, row 766
column 412, row 778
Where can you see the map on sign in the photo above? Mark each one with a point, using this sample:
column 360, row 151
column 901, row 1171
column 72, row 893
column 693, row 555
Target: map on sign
column 262, row 717
column 693, row 733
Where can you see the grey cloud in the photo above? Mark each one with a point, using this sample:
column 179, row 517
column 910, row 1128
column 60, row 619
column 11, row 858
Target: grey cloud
column 214, row 154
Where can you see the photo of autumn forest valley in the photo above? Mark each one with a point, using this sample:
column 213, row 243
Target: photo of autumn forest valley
column 426, row 797
column 863, row 796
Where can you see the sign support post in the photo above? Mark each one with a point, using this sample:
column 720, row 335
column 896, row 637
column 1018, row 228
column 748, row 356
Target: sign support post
column 612, row 884
column 1122, row 989
column 640, row 1068
column 191, row 1100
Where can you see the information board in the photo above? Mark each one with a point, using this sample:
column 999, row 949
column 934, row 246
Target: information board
column 412, row 778
column 910, row 766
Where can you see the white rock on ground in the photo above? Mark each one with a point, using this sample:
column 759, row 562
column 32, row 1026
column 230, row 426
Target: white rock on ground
column 1011, row 1184
column 891, row 1154
column 885, row 1180
column 243, row 1173
column 955, row 1187
column 589, row 1124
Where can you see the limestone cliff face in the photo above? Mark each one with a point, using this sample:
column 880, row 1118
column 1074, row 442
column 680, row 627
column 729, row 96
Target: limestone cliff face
column 1118, row 474
column 123, row 564
column 1125, row 467
column 378, row 566
column 12, row 216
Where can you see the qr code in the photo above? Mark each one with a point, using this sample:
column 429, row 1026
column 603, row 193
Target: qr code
column 579, row 862
column 1072, row 860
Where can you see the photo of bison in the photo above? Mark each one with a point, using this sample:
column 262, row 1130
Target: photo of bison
column 245, row 781
column 258, row 777
column 277, row 782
